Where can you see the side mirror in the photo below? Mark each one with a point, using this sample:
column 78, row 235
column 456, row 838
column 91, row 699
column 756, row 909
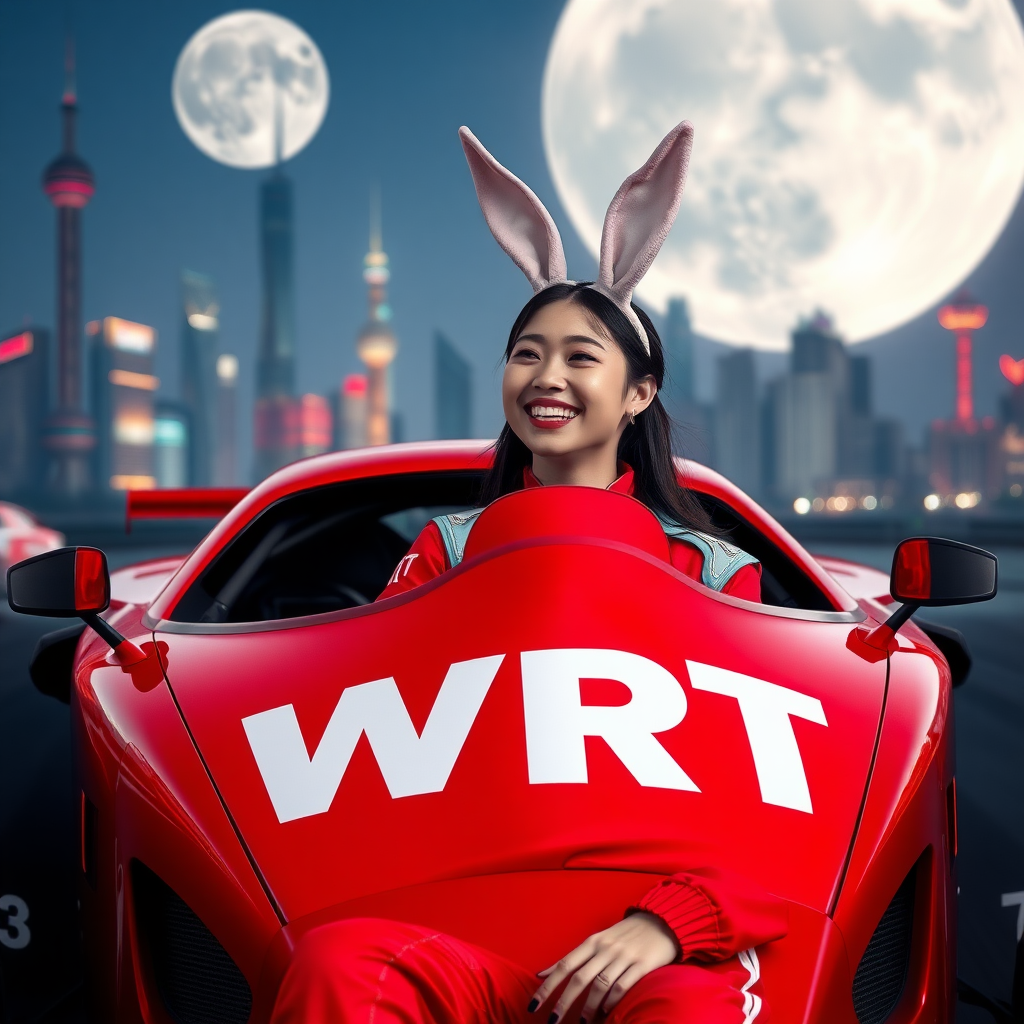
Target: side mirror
column 69, row 581
column 933, row 571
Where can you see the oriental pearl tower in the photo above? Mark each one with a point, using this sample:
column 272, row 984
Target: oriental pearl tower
column 376, row 343
column 69, row 183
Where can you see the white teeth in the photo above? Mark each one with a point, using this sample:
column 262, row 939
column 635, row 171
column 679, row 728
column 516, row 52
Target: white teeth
column 548, row 412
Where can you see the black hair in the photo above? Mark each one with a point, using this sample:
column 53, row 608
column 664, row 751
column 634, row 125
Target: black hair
column 646, row 445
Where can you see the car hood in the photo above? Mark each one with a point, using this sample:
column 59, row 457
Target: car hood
column 563, row 701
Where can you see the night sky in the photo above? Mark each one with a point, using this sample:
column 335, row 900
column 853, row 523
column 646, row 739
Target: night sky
column 404, row 76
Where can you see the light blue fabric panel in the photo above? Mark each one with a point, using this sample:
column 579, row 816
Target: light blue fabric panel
column 455, row 532
column 721, row 559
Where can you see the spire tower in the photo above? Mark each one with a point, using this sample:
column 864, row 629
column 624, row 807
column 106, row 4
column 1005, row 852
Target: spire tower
column 377, row 344
column 69, row 184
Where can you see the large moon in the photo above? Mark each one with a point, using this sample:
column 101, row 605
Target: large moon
column 861, row 156
column 244, row 77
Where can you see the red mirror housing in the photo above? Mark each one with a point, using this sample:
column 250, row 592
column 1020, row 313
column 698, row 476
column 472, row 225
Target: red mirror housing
column 936, row 571
column 68, row 581
column 912, row 571
column 92, row 580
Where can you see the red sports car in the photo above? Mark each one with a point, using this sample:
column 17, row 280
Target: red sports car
column 556, row 723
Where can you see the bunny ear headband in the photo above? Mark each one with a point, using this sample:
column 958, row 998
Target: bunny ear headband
column 635, row 225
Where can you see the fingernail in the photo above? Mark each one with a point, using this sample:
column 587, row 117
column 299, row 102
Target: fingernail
column 534, row 1003
column 553, row 1019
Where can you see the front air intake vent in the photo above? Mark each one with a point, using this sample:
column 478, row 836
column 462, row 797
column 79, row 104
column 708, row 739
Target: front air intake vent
column 197, row 980
column 882, row 972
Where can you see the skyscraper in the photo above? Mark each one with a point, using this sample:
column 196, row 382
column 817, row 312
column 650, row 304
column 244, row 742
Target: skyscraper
column 350, row 422
column 199, row 383
column 123, row 399
column 69, row 183
column 24, row 399
column 737, row 421
column 171, row 443
column 678, row 343
column 453, row 396
column 377, row 344
column 808, row 408
column 225, row 462
column 276, row 410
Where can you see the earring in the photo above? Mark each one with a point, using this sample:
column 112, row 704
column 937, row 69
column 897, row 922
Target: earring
column 632, row 417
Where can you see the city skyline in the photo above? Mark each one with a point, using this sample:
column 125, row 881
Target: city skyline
column 473, row 305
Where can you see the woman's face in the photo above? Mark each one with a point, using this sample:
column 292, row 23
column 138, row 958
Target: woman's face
column 565, row 383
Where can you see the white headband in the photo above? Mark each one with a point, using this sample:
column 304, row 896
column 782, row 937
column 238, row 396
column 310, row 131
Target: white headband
column 635, row 226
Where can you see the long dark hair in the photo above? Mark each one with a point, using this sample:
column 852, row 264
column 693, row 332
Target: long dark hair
column 645, row 445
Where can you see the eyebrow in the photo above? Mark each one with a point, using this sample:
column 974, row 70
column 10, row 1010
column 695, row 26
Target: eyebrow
column 585, row 338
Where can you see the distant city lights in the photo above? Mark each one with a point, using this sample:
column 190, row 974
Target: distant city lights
column 130, row 379
column 202, row 321
column 14, row 348
column 963, row 500
column 227, row 367
column 1016, row 490
column 841, row 503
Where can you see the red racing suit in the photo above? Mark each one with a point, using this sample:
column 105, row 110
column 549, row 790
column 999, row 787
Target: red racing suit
column 376, row 971
column 427, row 558
column 381, row 971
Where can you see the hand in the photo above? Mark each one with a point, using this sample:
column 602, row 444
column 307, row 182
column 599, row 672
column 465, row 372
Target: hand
column 610, row 963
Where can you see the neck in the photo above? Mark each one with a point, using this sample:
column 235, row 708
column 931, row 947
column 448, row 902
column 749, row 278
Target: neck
column 593, row 467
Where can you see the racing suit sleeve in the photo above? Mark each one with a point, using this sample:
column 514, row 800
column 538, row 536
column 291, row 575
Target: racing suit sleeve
column 745, row 583
column 425, row 560
column 714, row 915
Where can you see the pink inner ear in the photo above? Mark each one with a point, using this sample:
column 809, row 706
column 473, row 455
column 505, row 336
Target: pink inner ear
column 642, row 212
column 517, row 218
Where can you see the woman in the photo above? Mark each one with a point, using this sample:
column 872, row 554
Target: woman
column 580, row 394
column 581, row 402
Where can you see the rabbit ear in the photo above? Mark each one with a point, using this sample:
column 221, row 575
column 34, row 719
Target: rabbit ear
column 641, row 214
column 516, row 217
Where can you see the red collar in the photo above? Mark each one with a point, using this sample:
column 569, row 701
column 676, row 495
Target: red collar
column 622, row 485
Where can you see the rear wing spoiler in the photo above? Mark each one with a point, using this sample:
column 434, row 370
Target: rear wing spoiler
column 182, row 503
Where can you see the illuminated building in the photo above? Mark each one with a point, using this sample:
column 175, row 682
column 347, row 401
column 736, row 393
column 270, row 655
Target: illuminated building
column 377, row 344
column 737, row 423
column 453, row 396
column 963, row 316
column 123, row 394
column 963, row 452
column 225, row 460
column 315, row 424
column 69, row 184
column 199, row 383
column 276, row 411
column 24, row 399
column 350, row 422
column 171, row 443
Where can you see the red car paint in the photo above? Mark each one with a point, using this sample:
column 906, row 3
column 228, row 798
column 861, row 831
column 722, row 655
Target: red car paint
column 169, row 774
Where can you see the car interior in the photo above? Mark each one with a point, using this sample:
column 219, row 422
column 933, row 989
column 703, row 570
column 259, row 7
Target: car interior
column 335, row 547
